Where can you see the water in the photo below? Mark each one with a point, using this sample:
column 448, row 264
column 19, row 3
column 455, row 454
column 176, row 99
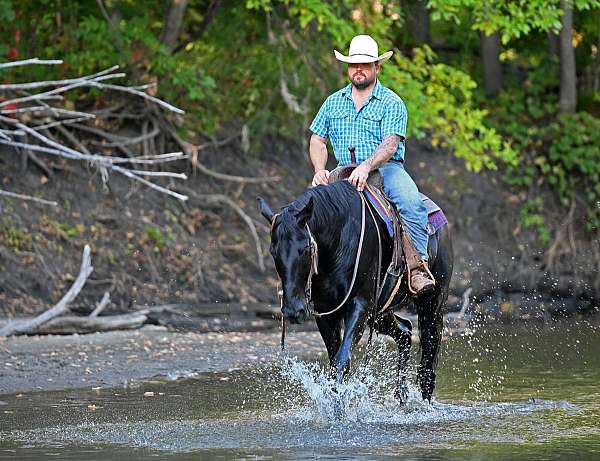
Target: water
column 530, row 392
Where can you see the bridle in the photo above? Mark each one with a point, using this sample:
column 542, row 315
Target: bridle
column 314, row 265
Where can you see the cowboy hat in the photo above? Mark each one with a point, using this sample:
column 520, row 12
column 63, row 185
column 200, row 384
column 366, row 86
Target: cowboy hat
column 363, row 49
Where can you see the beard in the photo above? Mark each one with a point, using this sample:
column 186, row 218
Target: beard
column 361, row 84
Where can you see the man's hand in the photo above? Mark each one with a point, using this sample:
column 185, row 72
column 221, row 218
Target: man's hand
column 359, row 176
column 321, row 177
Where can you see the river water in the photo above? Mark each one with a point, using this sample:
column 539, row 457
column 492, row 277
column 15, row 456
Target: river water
column 528, row 392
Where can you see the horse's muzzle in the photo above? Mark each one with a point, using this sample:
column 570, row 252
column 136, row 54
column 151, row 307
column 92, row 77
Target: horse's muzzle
column 296, row 311
column 300, row 317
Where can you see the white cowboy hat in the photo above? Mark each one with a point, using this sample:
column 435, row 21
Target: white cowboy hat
column 363, row 49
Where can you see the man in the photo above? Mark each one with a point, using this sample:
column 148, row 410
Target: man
column 372, row 119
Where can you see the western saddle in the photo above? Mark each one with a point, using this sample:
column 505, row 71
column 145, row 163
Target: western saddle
column 405, row 257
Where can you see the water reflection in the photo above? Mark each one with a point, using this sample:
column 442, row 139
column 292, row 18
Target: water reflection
column 528, row 391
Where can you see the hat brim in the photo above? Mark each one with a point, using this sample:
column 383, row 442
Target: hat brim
column 362, row 58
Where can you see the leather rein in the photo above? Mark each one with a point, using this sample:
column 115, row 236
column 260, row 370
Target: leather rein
column 314, row 268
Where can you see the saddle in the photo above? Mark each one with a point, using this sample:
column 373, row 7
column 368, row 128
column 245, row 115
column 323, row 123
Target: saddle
column 405, row 257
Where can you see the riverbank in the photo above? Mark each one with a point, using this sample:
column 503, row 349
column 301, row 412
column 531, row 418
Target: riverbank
column 116, row 358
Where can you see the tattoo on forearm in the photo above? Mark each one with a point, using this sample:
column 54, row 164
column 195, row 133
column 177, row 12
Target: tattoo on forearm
column 384, row 151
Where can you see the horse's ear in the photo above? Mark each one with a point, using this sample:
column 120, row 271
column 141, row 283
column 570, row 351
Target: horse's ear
column 305, row 213
column 265, row 209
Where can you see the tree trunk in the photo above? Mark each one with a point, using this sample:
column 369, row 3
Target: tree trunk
column 173, row 23
column 553, row 44
column 492, row 69
column 568, row 77
column 420, row 23
column 209, row 14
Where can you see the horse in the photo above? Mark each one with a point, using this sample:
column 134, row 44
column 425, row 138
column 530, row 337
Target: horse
column 328, row 218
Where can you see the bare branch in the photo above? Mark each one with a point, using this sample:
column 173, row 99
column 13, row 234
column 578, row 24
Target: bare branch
column 37, row 125
column 4, row 65
column 101, row 305
column 129, row 174
column 130, row 90
column 28, row 197
column 62, row 89
column 192, row 152
column 28, row 326
column 30, row 85
column 223, row 199
column 136, row 140
column 165, row 174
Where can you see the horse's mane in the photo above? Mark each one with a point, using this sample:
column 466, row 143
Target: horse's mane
column 331, row 223
column 330, row 203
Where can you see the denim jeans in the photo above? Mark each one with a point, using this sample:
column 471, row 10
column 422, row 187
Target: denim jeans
column 402, row 190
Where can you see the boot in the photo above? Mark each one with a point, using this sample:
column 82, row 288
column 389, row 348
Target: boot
column 421, row 280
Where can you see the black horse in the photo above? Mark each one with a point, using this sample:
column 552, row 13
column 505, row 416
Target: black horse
column 332, row 214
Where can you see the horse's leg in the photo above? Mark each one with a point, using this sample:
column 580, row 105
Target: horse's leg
column 401, row 333
column 331, row 332
column 354, row 327
column 430, row 333
column 429, row 309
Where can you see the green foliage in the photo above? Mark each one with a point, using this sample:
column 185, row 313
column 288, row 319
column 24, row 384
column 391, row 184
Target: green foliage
column 564, row 155
column 440, row 102
column 17, row 239
column 156, row 236
column 532, row 218
column 6, row 11
column 233, row 73
column 510, row 18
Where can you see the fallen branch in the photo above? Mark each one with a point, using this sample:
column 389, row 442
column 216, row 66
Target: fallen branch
column 223, row 199
column 28, row 197
column 192, row 152
column 101, row 305
column 39, row 116
column 19, row 327
column 4, row 65
column 72, row 324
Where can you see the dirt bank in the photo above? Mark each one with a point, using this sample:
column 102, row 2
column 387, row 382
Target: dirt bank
column 149, row 249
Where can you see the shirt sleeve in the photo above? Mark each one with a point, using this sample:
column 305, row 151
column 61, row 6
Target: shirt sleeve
column 394, row 120
column 320, row 125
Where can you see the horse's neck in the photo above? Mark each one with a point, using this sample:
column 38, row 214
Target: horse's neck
column 329, row 237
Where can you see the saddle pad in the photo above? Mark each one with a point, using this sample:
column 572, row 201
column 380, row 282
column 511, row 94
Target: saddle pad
column 436, row 217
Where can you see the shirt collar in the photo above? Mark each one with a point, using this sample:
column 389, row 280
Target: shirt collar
column 375, row 93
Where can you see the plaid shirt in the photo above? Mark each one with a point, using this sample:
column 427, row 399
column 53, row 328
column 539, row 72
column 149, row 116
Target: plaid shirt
column 384, row 113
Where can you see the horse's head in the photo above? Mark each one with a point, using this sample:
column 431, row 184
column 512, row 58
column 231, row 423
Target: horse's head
column 294, row 252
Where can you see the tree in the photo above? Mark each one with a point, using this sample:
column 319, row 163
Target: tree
column 173, row 23
column 568, row 76
column 492, row 68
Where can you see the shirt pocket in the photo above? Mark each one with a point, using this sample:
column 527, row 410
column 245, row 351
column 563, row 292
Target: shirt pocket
column 339, row 124
column 372, row 123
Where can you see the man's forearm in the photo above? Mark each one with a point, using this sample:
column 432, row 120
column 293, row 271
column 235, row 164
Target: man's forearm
column 318, row 154
column 384, row 152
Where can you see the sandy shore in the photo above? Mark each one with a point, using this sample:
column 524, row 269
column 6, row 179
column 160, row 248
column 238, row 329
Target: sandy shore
column 36, row 363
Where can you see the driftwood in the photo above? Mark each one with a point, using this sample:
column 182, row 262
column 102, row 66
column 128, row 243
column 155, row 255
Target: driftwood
column 101, row 305
column 71, row 324
column 23, row 327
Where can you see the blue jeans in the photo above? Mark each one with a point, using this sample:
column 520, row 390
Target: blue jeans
column 402, row 190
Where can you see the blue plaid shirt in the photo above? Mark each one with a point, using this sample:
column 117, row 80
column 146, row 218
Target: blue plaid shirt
column 384, row 113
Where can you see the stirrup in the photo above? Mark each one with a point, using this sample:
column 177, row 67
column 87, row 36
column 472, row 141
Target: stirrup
column 391, row 284
column 423, row 266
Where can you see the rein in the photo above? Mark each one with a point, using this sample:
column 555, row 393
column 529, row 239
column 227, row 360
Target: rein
column 314, row 264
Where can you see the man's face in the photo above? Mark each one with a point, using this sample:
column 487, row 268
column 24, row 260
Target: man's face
column 362, row 75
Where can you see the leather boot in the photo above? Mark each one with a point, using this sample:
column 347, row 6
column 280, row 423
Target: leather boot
column 421, row 279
